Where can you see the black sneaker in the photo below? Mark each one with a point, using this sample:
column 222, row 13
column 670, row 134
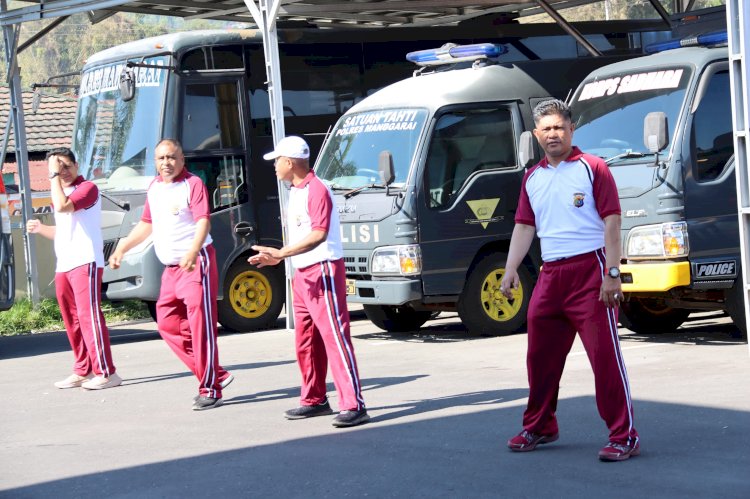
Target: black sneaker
column 309, row 411
column 350, row 418
column 202, row 403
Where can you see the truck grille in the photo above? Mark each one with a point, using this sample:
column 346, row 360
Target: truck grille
column 355, row 265
column 109, row 247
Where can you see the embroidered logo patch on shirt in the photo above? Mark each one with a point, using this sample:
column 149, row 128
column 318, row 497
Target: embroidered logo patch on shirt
column 578, row 199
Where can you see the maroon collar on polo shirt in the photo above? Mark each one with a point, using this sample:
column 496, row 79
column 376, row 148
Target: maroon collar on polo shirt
column 575, row 155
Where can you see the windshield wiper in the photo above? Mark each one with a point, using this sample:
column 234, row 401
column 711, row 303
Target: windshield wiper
column 627, row 155
column 352, row 192
column 123, row 205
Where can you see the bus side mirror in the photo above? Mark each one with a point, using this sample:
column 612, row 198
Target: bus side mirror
column 127, row 84
column 385, row 167
column 36, row 100
column 526, row 149
column 655, row 131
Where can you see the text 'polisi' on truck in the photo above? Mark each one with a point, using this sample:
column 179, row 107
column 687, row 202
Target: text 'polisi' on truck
column 663, row 122
column 426, row 175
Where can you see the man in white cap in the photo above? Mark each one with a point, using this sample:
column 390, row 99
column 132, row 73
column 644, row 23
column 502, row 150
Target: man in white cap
column 319, row 286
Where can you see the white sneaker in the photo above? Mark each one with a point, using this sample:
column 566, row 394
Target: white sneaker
column 100, row 382
column 72, row 381
column 227, row 381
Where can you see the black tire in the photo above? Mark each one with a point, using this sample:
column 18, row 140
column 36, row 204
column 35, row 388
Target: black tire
column 253, row 297
column 484, row 309
column 151, row 305
column 735, row 306
column 651, row 316
column 396, row 319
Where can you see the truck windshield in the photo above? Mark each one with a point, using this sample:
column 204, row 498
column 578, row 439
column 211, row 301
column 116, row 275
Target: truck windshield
column 350, row 157
column 609, row 112
column 114, row 140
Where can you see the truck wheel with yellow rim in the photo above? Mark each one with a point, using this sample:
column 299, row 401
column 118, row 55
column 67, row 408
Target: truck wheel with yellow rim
column 253, row 296
column 482, row 306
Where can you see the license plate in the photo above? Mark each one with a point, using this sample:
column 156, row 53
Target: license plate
column 351, row 287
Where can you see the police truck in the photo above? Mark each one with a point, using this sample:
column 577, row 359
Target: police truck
column 663, row 124
column 426, row 175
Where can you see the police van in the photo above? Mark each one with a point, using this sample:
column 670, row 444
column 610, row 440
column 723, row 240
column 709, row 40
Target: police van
column 426, row 175
column 7, row 282
column 663, row 122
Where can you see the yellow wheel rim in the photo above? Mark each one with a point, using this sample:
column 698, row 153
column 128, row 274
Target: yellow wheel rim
column 250, row 294
column 494, row 303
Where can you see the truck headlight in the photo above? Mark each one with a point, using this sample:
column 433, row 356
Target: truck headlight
column 667, row 240
column 397, row 260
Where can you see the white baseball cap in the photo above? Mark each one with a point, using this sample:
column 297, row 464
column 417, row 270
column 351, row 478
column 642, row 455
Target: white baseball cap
column 290, row 147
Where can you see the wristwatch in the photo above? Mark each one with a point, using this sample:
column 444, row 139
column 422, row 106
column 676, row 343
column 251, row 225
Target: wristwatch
column 53, row 175
column 614, row 272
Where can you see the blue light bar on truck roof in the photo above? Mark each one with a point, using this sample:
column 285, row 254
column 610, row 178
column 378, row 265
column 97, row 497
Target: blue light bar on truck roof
column 707, row 40
column 451, row 53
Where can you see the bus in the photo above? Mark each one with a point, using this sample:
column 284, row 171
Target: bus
column 208, row 90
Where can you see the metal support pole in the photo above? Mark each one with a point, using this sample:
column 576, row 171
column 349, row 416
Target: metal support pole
column 565, row 25
column 40, row 34
column 264, row 15
column 19, row 129
column 662, row 12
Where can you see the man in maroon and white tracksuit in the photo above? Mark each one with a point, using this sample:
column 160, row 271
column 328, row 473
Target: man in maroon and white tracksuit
column 176, row 215
column 570, row 201
column 77, row 236
column 319, row 285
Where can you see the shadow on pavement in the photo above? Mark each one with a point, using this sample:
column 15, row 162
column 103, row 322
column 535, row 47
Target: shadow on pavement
column 455, row 456
column 701, row 329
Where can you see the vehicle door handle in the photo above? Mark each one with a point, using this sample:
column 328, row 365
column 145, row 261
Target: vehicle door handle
column 243, row 229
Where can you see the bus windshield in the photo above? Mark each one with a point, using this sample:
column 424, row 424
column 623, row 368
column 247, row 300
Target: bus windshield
column 350, row 157
column 114, row 140
column 609, row 112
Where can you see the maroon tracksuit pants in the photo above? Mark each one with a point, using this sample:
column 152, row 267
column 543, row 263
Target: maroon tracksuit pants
column 322, row 335
column 565, row 301
column 79, row 296
column 186, row 314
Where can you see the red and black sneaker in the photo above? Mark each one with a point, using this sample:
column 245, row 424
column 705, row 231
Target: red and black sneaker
column 527, row 441
column 619, row 452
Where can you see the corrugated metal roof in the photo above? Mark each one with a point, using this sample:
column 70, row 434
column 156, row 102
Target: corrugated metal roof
column 365, row 13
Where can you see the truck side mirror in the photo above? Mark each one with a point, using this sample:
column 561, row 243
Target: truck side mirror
column 655, row 131
column 526, row 149
column 127, row 84
column 385, row 167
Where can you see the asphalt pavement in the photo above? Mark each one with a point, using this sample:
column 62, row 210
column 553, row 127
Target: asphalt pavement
column 443, row 404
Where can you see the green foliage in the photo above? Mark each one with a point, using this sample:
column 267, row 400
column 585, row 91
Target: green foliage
column 24, row 318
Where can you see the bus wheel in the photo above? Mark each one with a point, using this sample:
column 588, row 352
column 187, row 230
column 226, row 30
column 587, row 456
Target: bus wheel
column 735, row 306
column 253, row 297
column 651, row 316
column 482, row 306
column 396, row 319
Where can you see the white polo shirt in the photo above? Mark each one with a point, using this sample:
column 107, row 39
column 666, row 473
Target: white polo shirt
column 174, row 209
column 311, row 208
column 567, row 204
column 78, row 233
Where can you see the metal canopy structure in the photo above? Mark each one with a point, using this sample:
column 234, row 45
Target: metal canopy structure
column 365, row 13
